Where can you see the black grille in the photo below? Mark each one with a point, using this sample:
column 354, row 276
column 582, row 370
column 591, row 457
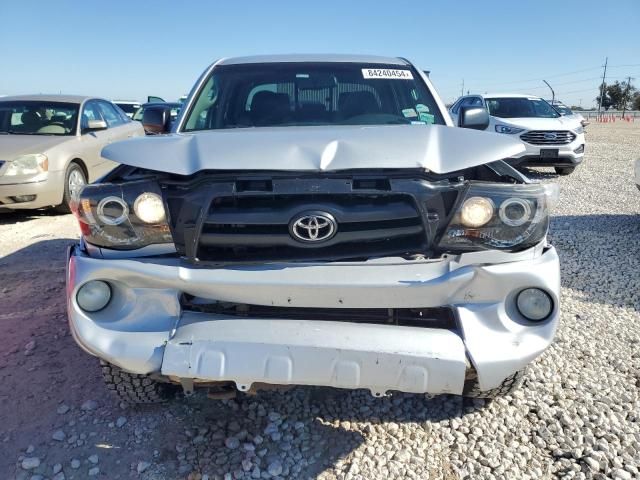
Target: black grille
column 256, row 228
column 548, row 137
column 437, row 317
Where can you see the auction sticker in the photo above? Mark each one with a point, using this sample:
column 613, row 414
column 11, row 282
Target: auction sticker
column 387, row 73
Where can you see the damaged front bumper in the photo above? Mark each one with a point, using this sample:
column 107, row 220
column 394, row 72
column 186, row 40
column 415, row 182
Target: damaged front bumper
column 145, row 328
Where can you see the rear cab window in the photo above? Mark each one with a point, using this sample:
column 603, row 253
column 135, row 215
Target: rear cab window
column 309, row 94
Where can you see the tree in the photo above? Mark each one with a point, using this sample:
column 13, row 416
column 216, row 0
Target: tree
column 635, row 105
column 618, row 95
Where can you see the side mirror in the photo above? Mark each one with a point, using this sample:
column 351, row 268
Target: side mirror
column 94, row 125
column 156, row 120
column 473, row 117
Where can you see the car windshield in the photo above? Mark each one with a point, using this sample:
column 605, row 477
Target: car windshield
column 563, row 109
column 175, row 111
column 128, row 107
column 306, row 94
column 520, row 107
column 38, row 118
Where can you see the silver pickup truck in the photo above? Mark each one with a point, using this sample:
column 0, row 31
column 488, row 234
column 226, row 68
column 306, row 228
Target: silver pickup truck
column 314, row 220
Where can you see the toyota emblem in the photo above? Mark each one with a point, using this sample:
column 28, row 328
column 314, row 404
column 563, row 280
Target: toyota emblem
column 313, row 227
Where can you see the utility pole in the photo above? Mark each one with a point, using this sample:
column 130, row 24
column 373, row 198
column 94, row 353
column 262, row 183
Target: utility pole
column 462, row 89
column 602, row 87
column 553, row 94
column 626, row 96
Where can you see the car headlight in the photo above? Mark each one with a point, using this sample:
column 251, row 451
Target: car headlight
column 122, row 216
column 28, row 165
column 579, row 129
column 499, row 217
column 507, row 129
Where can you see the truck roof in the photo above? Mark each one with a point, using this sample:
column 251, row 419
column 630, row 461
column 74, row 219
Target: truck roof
column 313, row 58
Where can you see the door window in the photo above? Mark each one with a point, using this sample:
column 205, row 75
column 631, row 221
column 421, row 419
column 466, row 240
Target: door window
column 110, row 114
column 90, row 112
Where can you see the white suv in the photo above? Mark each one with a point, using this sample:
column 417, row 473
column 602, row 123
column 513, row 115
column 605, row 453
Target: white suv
column 551, row 140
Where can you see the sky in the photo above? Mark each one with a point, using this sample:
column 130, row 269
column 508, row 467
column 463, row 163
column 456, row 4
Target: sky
column 131, row 49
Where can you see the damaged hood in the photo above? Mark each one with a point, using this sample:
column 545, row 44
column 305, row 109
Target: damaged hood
column 437, row 148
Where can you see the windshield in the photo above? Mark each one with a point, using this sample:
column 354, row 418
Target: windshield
column 38, row 118
column 517, row 107
column 128, row 108
column 305, row 94
column 563, row 109
column 175, row 111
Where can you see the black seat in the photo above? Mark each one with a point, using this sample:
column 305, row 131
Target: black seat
column 269, row 108
column 352, row 104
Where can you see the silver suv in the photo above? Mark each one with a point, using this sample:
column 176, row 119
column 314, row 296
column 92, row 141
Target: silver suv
column 314, row 220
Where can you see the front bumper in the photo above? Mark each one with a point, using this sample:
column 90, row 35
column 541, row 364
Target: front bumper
column 48, row 192
column 569, row 155
column 144, row 329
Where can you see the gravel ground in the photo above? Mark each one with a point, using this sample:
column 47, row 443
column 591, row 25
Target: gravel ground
column 577, row 415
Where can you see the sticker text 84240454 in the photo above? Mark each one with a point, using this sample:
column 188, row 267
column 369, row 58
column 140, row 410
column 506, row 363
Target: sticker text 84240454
column 387, row 73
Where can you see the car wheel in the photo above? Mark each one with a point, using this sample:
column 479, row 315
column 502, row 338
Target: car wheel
column 133, row 388
column 564, row 170
column 509, row 384
column 74, row 180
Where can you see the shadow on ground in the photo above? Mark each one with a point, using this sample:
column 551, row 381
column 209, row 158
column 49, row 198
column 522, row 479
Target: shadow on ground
column 600, row 256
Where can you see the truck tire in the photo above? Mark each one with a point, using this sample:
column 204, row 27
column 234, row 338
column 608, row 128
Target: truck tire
column 564, row 170
column 133, row 388
column 508, row 385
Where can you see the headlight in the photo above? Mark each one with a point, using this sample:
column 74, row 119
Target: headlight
column 28, row 165
column 149, row 208
column 122, row 216
column 579, row 130
column 476, row 211
column 501, row 217
column 507, row 129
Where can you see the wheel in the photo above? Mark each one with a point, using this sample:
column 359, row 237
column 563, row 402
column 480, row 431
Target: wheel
column 74, row 180
column 133, row 388
column 564, row 170
column 508, row 385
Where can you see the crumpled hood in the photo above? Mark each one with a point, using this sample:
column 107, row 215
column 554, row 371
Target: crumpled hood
column 12, row 146
column 439, row 149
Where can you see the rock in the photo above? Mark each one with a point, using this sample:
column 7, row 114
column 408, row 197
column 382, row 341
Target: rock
column 58, row 435
column 93, row 459
column 57, row 468
column 232, row 443
column 89, row 405
column 30, row 449
column 275, row 468
column 620, row 474
column 75, row 463
column 94, row 471
column 58, row 476
column 120, row 422
column 29, row 463
column 62, row 409
column 142, row 466
column 30, row 347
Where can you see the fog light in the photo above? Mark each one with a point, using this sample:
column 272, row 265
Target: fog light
column 534, row 304
column 476, row 211
column 23, row 198
column 94, row 295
